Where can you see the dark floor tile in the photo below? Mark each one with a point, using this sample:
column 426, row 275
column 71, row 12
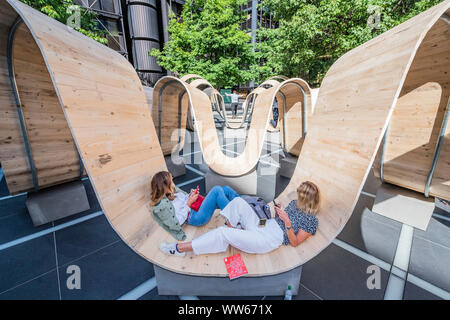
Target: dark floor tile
column 107, row 274
column 372, row 183
column 352, row 233
column 42, row 288
column 282, row 183
column 195, row 160
column 13, row 205
column 430, row 254
column 441, row 215
column 18, row 225
column 3, row 186
column 274, row 298
column 186, row 177
column 26, row 261
column 413, row 292
column 371, row 232
column 83, row 238
column 305, row 294
column 336, row 274
column 153, row 295
column 193, row 185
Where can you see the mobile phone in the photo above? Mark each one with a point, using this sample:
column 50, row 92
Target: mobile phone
column 262, row 222
column 276, row 205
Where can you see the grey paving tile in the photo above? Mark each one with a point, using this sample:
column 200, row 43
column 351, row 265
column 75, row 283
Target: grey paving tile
column 107, row 274
column 413, row 292
column 352, row 233
column 13, row 205
column 186, row 177
column 336, row 274
column 281, row 184
column 26, row 261
column 305, row 294
column 3, row 187
column 370, row 232
column 372, row 183
column 83, row 238
column 430, row 254
column 441, row 216
column 193, row 185
column 18, row 225
column 153, row 295
column 42, row 288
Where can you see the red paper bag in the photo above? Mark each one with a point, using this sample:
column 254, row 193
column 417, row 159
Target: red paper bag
column 235, row 266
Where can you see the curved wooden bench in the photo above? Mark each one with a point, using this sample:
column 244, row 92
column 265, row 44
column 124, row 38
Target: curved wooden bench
column 172, row 89
column 105, row 107
column 417, row 123
column 279, row 78
column 52, row 149
column 188, row 77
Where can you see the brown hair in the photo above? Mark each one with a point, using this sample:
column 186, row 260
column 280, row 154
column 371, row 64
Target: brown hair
column 308, row 197
column 162, row 185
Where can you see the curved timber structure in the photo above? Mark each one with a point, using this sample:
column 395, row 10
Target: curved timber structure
column 106, row 111
column 171, row 94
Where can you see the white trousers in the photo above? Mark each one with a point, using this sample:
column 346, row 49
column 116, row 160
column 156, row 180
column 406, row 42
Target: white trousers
column 250, row 239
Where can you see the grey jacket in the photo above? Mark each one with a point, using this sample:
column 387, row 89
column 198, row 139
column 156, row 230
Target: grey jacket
column 164, row 214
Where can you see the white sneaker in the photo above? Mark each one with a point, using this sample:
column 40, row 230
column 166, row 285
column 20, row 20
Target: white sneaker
column 171, row 249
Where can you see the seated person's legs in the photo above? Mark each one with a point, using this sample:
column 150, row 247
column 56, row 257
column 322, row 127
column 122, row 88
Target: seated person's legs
column 218, row 240
column 230, row 194
column 238, row 211
column 217, row 197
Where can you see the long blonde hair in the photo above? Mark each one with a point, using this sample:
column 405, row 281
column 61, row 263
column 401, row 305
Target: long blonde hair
column 308, row 197
column 162, row 186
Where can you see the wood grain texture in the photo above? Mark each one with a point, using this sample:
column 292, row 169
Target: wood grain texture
column 354, row 106
column 52, row 147
column 105, row 107
column 13, row 156
column 417, row 120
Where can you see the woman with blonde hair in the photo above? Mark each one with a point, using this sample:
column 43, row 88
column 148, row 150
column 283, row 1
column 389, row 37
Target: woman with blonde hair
column 292, row 226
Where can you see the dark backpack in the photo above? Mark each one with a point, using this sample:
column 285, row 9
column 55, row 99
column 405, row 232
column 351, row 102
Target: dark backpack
column 260, row 207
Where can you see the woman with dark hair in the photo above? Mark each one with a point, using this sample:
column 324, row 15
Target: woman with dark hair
column 173, row 207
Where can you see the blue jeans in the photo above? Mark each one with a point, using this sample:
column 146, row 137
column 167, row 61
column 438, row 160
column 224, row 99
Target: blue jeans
column 217, row 198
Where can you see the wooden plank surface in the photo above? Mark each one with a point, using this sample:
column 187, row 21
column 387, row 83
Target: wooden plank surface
column 417, row 119
column 13, row 156
column 104, row 104
column 52, row 147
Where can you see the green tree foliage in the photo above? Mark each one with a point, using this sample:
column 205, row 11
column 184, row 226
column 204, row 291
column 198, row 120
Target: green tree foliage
column 207, row 40
column 313, row 34
column 63, row 10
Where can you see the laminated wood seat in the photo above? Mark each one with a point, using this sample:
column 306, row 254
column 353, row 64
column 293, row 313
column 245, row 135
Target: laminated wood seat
column 106, row 111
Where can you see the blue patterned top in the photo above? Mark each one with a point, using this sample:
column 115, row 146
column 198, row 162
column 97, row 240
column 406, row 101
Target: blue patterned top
column 299, row 219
